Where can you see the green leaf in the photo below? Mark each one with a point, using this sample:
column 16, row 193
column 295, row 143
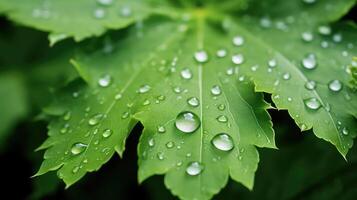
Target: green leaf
column 156, row 71
column 13, row 104
column 144, row 88
column 81, row 18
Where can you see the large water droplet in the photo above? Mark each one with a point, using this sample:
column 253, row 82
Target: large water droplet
column 105, row 80
column 216, row 90
column 335, row 85
column 309, row 62
column 107, row 133
column 95, row 119
column 238, row 40
column 78, row 148
column 238, row 59
column 312, row 103
column 187, row 122
column 223, row 142
column 194, row 168
column 201, row 56
column 186, row 74
column 193, row 101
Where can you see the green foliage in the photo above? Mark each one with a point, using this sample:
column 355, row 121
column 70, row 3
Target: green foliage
column 209, row 59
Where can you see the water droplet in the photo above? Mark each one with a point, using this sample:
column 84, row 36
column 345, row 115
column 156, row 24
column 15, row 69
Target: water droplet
column 75, row 169
column 337, row 37
column 67, row 116
column 286, row 76
column 324, row 30
column 107, row 133
column 238, row 59
column 335, row 85
column 105, row 2
column 221, row 107
column 194, row 168
column 177, row 90
column 221, row 53
column 201, row 56
column 186, row 74
column 238, row 41
column 125, row 115
column 223, row 142
column 126, row 11
column 193, row 101
column 78, row 148
column 160, row 155
column 95, row 119
column 230, row 71
column 307, row 36
column 144, row 89
column 310, row 85
column 161, row 129
column 222, row 118
column 309, row 62
column 105, row 80
column 309, row 1
column 290, row 99
column 99, row 13
column 170, row 145
column 146, row 102
column 272, row 63
column 303, row 127
column 179, row 164
column 187, row 122
column 254, row 68
column 312, row 103
column 345, row 131
column 216, row 90
column 151, row 142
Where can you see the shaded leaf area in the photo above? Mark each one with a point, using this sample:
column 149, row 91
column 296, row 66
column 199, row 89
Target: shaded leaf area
column 79, row 19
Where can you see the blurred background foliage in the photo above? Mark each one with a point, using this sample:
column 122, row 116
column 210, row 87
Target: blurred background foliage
column 30, row 71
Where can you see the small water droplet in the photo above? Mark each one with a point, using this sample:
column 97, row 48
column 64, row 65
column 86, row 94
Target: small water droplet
column 105, row 80
column 95, row 119
column 221, row 53
column 238, row 41
column 177, row 90
column 230, row 71
column 67, row 116
column 222, row 119
column 324, row 30
column 310, row 85
column 307, row 36
column 126, row 11
column 161, row 129
column 99, row 13
column 335, row 85
column 337, row 37
column 170, row 145
column 345, row 131
column 272, row 63
column 144, row 89
column 125, row 115
column 186, row 74
column 105, row 2
column 312, row 103
column 78, row 148
column 216, row 90
column 160, row 155
column 309, row 1
column 146, row 102
column 107, row 133
column 194, row 168
column 151, row 142
column 286, row 76
column 221, row 107
column 309, row 62
column 187, row 122
column 201, row 56
column 193, row 101
column 75, row 170
column 223, row 142
column 238, row 59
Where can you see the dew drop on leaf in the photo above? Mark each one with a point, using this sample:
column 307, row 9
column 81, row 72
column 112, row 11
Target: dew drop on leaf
column 95, row 119
column 105, row 81
column 161, row 129
column 107, row 133
column 238, row 41
column 221, row 107
column 99, row 13
column 222, row 119
column 193, row 101
column 67, row 116
column 309, row 62
column 221, row 53
column 272, row 63
column 75, row 170
column 78, row 148
column 216, row 90
column 312, row 103
column 170, row 145
column 286, row 76
column 324, row 30
column 307, row 36
column 160, row 155
column 345, row 131
column 151, row 142
column 223, row 142
column 144, row 89
column 310, row 85
column 194, row 168
column 126, row 11
column 186, row 74
column 238, row 59
column 335, row 85
column 201, row 56
column 309, row 1
column 187, row 122
column 105, row 2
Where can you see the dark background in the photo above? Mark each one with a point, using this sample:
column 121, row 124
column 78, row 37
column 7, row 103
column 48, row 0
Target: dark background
column 304, row 167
